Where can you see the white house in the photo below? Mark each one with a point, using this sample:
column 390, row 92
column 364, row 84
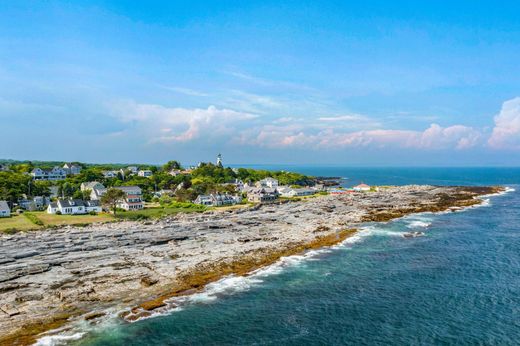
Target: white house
column 91, row 185
column 133, row 198
column 268, row 182
column 361, row 188
column 239, row 184
column 296, row 192
column 145, row 173
column 56, row 173
column 217, row 200
column 5, row 211
column 132, row 169
column 97, row 193
column 72, row 169
column 263, row 195
column 110, row 174
column 69, row 206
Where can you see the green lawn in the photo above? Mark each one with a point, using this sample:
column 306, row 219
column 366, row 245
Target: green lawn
column 154, row 213
column 55, row 220
column 22, row 222
column 16, row 222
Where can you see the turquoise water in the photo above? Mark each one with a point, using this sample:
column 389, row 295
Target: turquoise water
column 459, row 284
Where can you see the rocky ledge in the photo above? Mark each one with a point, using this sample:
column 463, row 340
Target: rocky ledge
column 50, row 277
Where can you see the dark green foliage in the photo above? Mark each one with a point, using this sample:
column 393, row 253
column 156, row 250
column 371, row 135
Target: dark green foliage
column 31, row 217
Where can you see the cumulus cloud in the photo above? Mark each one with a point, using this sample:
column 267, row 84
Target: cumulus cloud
column 434, row 137
column 164, row 124
column 506, row 133
column 157, row 123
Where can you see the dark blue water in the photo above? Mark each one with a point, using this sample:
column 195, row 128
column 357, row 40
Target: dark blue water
column 458, row 285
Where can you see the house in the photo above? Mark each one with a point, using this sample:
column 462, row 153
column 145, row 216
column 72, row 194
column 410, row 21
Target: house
column 5, row 211
column 296, row 192
column 72, row 169
column 56, row 173
column 204, row 200
column 36, row 203
column 69, row 206
column 4, row 167
column 110, row 174
column 132, row 169
column 268, row 182
column 361, row 188
column 97, row 192
column 163, row 192
column 133, row 198
column 263, row 195
column 91, row 185
column 239, row 184
column 175, row 172
column 217, row 200
column 145, row 173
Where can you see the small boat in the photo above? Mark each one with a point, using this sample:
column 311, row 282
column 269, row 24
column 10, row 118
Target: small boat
column 413, row 234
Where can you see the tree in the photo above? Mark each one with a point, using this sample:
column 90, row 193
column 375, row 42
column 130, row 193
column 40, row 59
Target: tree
column 171, row 165
column 111, row 198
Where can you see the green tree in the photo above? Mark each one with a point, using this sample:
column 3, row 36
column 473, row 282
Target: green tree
column 111, row 198
column 171, row 165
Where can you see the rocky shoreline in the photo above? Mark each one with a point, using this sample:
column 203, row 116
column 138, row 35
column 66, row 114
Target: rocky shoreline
column 50, row 277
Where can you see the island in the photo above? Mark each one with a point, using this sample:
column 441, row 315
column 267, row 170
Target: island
column 52, row 277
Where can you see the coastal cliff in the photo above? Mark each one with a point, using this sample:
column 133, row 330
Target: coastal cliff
column 49, row 277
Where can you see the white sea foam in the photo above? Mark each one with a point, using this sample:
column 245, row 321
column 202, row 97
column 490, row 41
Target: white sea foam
column 235, row 284
column 418, row 223
column 58, row 339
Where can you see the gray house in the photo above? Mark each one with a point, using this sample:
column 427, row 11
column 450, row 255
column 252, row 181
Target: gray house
column 5, row 211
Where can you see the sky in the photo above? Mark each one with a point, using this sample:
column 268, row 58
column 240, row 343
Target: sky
column 367, row 83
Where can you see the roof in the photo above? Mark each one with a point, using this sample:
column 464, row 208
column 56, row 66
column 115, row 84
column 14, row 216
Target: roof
column 4, row 205
column 269, row 179
column 53, row 205
column 128, row 189
column 362, row 185
column 67, row 203
column 92, row 203
column 91, row 184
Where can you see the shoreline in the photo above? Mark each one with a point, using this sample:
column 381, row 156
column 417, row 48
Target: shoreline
column 242, row 263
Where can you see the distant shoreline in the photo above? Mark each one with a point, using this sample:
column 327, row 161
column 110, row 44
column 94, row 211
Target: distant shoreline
column 81, row 272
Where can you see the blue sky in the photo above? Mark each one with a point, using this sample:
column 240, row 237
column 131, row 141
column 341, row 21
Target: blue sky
column 299, row 82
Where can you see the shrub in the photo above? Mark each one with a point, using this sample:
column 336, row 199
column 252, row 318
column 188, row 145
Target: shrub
column 92, row 212
column 33, row 219
column 58, row 212
column 10, row 231
column 134, row 217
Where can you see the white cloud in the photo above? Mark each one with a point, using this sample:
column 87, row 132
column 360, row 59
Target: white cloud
column 506, row 133
column 186, row 91
column 163, row 124
column 157, row 123
column 434, row 137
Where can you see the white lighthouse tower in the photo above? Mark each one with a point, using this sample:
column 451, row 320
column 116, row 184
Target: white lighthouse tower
column 219, row 160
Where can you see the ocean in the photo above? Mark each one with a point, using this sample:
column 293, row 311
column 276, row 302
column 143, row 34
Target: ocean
column 457, row 285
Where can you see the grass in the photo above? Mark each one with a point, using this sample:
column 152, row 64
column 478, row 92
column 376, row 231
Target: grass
column 16, row 223
column 156, row 213
column 40, row 219
column 59, row 220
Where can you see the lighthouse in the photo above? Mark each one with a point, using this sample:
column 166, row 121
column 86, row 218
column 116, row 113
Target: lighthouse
column 219, row 160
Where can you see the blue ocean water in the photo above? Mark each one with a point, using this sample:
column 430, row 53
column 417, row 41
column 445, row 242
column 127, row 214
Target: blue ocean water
column 459, row 284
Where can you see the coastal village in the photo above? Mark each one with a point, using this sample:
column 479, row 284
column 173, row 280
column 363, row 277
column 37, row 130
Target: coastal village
column 75, row 189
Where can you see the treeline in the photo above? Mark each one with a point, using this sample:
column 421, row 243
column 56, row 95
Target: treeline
column 206, row 178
